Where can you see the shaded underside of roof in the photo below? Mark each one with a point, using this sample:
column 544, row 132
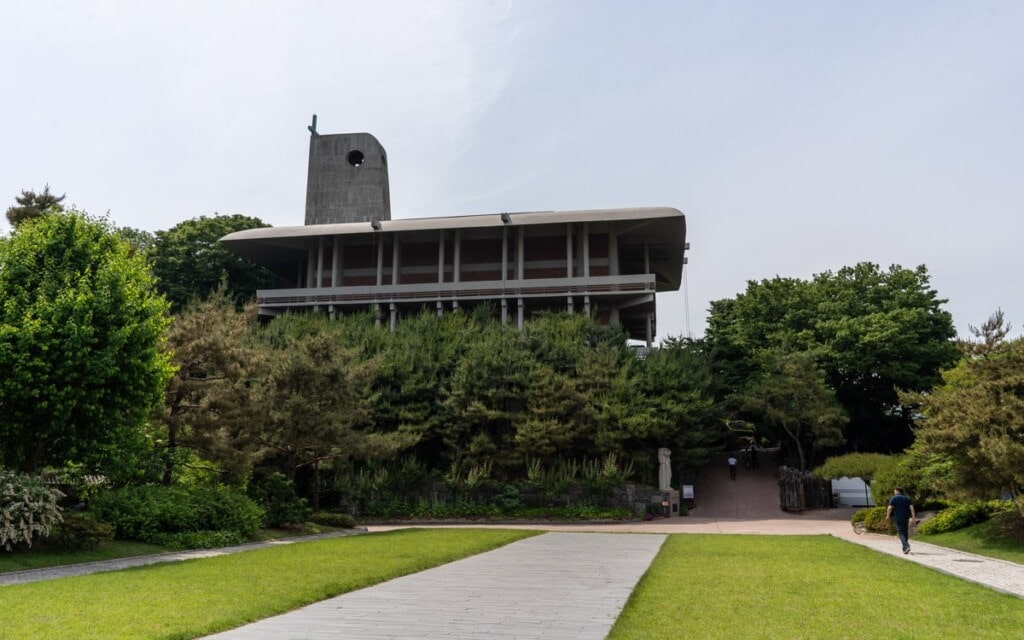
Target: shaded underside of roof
column 661, row 229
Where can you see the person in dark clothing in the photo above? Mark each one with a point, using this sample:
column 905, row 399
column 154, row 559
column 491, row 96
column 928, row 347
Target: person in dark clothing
column 901, row 510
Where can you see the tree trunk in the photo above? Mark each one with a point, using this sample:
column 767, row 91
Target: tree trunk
column 316, row 485
column 172, row 445
column 795, row 436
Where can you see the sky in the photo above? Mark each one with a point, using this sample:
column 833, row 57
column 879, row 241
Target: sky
column 797, row 137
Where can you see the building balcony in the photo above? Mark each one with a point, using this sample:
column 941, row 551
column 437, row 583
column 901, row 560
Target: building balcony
column 602, row 287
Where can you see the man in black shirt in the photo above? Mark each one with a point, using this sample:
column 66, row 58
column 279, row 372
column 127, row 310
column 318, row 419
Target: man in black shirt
column 901, row 510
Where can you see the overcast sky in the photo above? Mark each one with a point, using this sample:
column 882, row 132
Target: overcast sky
column 797, row 137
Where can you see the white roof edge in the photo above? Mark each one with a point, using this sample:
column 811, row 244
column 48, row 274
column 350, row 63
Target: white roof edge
column 460, row 222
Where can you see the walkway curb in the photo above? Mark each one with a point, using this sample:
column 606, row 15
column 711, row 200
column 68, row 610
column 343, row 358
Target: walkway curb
column 116, row 564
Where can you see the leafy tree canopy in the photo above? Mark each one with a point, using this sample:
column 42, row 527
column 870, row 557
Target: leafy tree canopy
column 189, row 262
column 791, row 398
column 140, row 240
column 871, row 331
column 81, row 341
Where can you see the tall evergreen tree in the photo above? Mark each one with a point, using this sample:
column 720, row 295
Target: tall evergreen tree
column 210, row 402
column 970, row 430
column 32, row 205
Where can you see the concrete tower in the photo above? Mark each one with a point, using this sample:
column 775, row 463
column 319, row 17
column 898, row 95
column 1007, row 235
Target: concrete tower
column 348, row 179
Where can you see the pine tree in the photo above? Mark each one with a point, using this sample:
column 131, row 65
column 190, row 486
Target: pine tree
column 32, row 205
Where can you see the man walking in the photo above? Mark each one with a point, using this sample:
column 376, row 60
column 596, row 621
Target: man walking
column 901, row 510
column 732, row 466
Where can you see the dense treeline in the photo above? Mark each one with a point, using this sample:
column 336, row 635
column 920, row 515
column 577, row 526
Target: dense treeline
column 786, row 352
column 831, row 364
column 304, row 394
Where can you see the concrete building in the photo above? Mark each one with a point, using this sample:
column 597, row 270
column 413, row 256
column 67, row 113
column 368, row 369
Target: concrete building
column 350, row 255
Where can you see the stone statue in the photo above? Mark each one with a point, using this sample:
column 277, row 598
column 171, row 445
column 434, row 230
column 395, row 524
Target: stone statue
column 665, row 470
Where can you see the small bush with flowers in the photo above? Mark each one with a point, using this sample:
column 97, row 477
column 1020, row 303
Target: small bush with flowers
column 28, row 509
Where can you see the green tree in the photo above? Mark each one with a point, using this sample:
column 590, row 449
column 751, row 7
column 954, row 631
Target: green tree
column 32, row 205
column 676, row 382
column 487, row 395
column 972, row 426
column 209, row 401
column 989, row 338
column 140, row 240
column 577, row 363
column 871, row 331
column 554, row 413
column 189, row 262
column 315, row 399
column 82, row 335
column 882, row 331
column 791, row 397
column 417, row 362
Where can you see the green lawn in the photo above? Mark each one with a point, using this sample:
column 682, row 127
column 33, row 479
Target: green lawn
column 700, row 586
column 199, row 597
column 48, row 553
column 42, row 555
column 980, row 539
column 813, row 587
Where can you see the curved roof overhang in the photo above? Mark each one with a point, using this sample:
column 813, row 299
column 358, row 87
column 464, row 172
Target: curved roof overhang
column 662, row 229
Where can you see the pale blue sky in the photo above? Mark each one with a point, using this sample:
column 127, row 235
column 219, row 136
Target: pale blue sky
column 797, row 137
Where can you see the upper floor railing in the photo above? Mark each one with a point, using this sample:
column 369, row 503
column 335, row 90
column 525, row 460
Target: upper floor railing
column 451, row 291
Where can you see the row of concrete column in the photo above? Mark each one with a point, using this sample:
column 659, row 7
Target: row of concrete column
column 315, row 263
column 315, row 268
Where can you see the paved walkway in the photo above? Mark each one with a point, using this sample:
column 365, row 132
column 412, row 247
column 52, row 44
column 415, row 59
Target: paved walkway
column 1007, row 577
column 570, row 586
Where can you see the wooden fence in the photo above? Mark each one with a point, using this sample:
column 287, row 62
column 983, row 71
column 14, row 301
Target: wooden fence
column 799, row 490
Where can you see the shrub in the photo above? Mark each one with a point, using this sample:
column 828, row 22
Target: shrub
column 873, row 520
column 332, row 519
column 600, row 476
column 962, row 515
column 276, row 494
column 508, row 498
column 932, row 505
column 77, row 485
column 1009, row 526
column 853, row 465
column 223, row 509
column 28, row 508
column 83, row 531
column 582, row 511
column 889, row 474
column 143, row 513
column 197, row 539
column 586, row 511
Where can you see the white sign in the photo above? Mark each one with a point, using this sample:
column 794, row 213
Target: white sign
column 687, row 492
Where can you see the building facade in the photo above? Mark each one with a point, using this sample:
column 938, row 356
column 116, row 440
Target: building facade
column 609, row 264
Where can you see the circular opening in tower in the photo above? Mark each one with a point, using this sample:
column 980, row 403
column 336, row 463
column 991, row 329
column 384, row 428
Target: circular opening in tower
column 355, row 158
